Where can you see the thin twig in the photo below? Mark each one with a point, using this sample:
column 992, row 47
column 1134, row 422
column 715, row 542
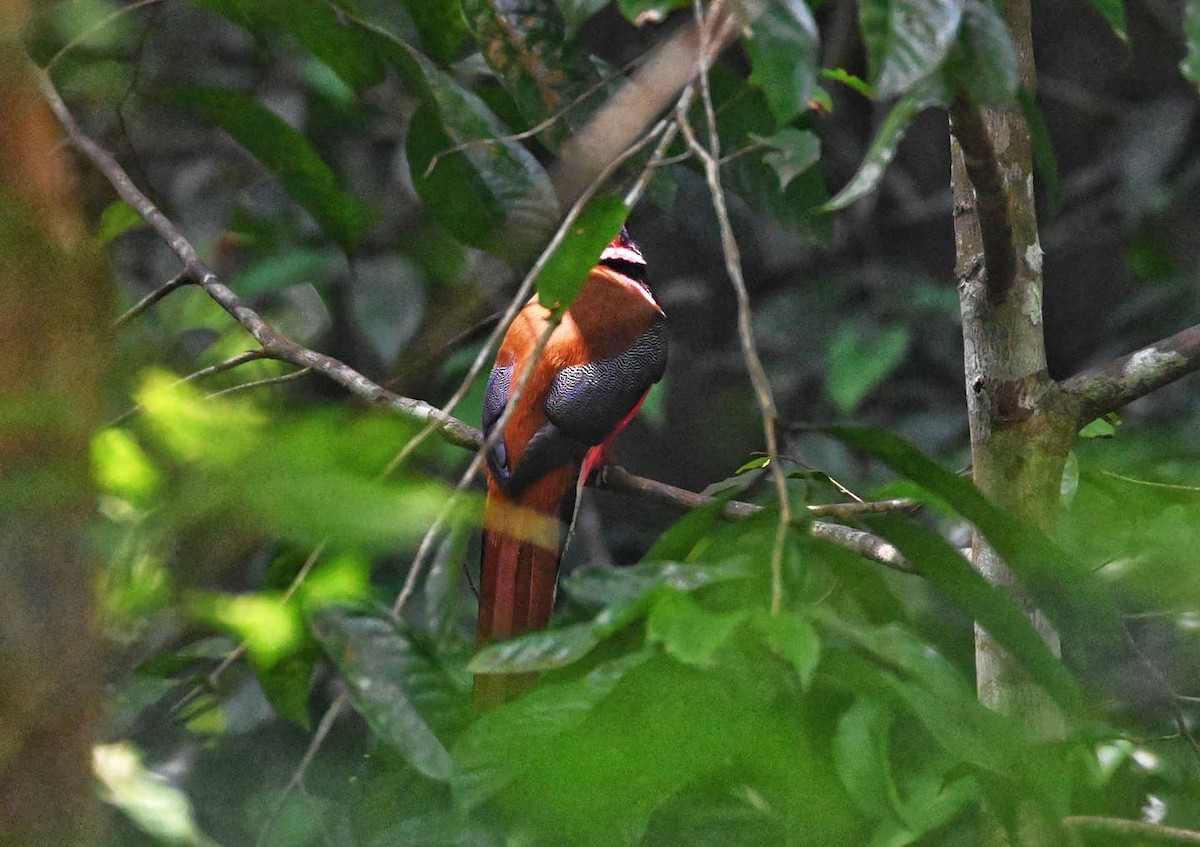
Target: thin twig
column 314, row 747
column 260, row 383
column 219, row 367
column 96, row 27
column 178, row 281
column 711, row 156
column 1141, row 831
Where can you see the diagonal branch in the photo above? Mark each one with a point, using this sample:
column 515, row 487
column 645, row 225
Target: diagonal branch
column 1111, row 385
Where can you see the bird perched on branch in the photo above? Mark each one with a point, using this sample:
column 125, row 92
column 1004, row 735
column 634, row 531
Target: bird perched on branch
column 587, row 384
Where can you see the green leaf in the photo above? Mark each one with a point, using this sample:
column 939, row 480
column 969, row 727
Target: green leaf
column 121, row 467
column 860, row 756
column 856, row 365
column 287, row 683
column 1190, row 66
column 151, row 802
column 1063, row 588
column 1113, row 11
column 907, row 40
column 564, row 273
column 393, row 685
column 883, row 148
column 688, row 633
column 274, row 273
column 317, row 25
column 783, row 46
column 491, row 753
column 995, row 610
column 285, row 152
column 117, row 219
column 986, row 63
column 441, row 25
column 1099, row 428
column 1043, row 148
column 793, row 152
column 851, row 81
column 485, row 188
column 270, row 628
column 793, row 639
column 600, row 586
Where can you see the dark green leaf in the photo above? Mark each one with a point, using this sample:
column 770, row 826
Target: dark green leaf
column 860, row 754
column 564, row 273
column 317, row 25
column 782, row 46
column 485, row 188
column 285, row 152
column 688, row 633
column 907, row 40
column 295, row 267
column 488, row 755
column 286, row 685
column 441, row 25
column 856, row 364
column 883, row 148
column 793, row 152
column 986, row 63
column 1113, row 12
column 600, row 586
column 793, row 639
column 396, row 688
column 117, row 219
column 1190, row 66
column 1043, row 149
column 995, row 610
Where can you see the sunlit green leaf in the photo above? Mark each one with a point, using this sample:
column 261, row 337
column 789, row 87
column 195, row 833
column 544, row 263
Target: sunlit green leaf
column 117, row 219
column 157, row 808
column 392, row 684
column 792, row 638
column 687, row 632
column 858, row 364
column 285, row 152
column 907, row 40
column 783, row 45
column 270, row 629
column 564, row 273
column 121, row 467
column 883, row 148
column 1099, row 428
column 849, row 80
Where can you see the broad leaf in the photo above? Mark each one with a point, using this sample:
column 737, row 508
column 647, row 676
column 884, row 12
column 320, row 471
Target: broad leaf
column 484, row 187
column 793, row 152
column 285, row 152
column 396, row 687
column 883, row 148
column 688, row 633
column 860, row 754
column 600, row 586
column 907, row 40
column 317, row 25
column 783, row 50
column 995, row 610
column 564, row 273
column 793, row 639
column 441, row 25
column 294, row 267
column 117, row 219
column 856, row 364
column 985, row 62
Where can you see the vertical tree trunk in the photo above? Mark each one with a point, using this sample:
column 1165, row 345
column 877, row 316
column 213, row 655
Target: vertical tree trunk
column 1020, row 433
column 52, row 308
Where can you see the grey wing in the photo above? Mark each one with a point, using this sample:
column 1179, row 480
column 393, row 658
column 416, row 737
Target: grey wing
column 587, row 402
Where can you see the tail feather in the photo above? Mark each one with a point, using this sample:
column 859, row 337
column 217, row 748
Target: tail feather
column 522, row 545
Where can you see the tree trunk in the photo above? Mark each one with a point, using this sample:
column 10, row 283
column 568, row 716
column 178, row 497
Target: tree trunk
column 53, row 301
column 1020, row 429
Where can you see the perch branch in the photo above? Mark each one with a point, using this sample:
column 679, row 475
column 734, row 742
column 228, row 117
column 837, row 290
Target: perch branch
column 991, row 200
column 1111, row 385
column 178, row 281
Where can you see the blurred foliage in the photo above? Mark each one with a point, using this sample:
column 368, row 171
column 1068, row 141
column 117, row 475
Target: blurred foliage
column 389, row 171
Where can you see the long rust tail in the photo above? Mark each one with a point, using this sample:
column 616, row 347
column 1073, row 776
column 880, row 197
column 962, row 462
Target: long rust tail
column 519, row 569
